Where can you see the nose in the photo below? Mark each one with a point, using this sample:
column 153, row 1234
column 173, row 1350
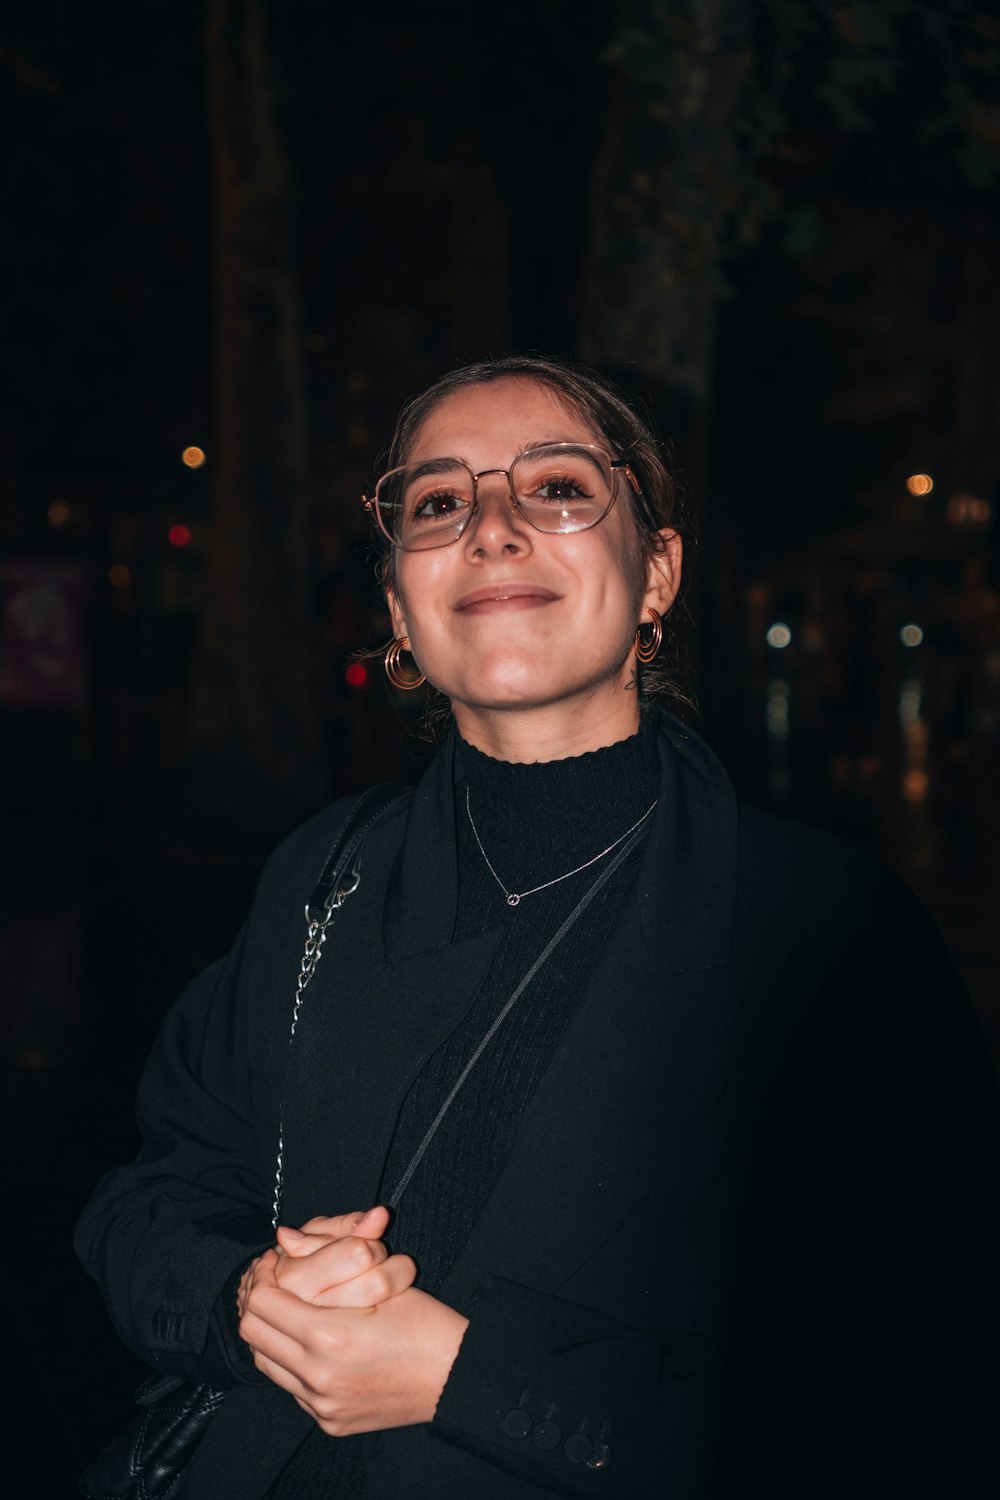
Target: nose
column 496, row 526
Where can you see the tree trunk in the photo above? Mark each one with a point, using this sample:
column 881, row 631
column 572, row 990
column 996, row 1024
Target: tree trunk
column 255, row 741
column 662, row 194
column 665, row 182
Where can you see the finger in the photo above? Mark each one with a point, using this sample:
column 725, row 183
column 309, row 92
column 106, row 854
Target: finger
column 294, row 1243
column 303, row 1338
column 392, row 1276
column 334, row 1263
column 366, row 1224
column 273, row 1333
column 279, row 1358
column 312, row 1327
column 301, row 1393
column 260, row 1268
column 245, row 1282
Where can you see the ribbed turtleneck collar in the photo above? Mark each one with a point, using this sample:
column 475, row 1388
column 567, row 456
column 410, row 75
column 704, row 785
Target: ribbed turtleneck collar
column 569, row 805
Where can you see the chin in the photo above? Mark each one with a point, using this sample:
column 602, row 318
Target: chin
column 506, row 694
column 507, row 689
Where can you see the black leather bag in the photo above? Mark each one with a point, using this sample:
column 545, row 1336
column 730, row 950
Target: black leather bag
column 149, row 1458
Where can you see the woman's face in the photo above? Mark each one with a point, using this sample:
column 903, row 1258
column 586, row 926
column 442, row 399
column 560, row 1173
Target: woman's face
column 516, row 626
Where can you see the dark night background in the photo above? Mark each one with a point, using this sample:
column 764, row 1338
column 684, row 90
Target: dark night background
column 253, row 228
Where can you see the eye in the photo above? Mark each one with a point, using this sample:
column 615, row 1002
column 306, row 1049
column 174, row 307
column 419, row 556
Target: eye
column 559, row 488
column 568, row 477
column 440, row 504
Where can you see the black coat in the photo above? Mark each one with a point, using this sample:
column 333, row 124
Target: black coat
column 744, row 1242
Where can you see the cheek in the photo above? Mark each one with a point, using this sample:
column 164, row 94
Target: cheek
column 615, row 579
column 418, row 583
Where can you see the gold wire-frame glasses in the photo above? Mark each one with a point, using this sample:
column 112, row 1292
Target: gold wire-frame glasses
column 554, row 487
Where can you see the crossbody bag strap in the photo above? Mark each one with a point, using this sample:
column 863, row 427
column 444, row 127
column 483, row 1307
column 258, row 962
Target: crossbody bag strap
column 546, row 953
column 340, row 878
column 344, row 859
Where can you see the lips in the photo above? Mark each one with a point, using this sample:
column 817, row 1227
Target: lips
column 496, row 595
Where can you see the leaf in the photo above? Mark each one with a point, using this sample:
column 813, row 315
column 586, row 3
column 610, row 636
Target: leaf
column 847, row 112
column 802, row 230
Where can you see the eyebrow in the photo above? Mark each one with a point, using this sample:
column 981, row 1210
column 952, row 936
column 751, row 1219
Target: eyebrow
column 574, row 446
column 436, row 466
column 442, row 465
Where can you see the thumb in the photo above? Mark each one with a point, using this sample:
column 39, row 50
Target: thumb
column 373, row 1223
column 315, row 1233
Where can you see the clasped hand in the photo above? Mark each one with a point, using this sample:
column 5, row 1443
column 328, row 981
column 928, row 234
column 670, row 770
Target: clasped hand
column 336, row 1321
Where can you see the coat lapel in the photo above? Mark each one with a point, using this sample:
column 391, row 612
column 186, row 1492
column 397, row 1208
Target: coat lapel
column 390, row 989
column 632, row 1102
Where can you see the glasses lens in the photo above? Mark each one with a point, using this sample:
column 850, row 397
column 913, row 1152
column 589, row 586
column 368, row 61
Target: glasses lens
column 425, row 505
column 563, row 487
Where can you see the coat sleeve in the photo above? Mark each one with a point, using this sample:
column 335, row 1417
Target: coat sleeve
column 164, row 1235
column 167, row 1236
column 866, row 1315
column 578, row 1404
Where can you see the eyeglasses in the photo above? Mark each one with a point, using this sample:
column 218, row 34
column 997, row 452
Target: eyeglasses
column 556, row 487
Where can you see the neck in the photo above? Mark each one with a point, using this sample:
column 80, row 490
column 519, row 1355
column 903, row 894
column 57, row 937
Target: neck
column 552, row 731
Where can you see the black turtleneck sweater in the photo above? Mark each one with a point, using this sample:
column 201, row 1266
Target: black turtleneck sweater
column 534, row 822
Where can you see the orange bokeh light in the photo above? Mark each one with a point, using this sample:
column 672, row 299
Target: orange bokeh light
column 193, row 458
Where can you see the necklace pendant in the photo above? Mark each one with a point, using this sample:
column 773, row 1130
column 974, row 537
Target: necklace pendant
column 513, row 899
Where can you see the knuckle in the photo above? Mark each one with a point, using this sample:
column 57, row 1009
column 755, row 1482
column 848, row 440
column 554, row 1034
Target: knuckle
column 334, row 1426
column 329, row 1340
column 379, row 1284
column 360, row 1253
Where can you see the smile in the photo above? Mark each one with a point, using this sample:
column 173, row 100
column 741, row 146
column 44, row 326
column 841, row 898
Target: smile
column 501, row 598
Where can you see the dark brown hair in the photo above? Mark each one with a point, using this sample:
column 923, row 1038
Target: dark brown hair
column 609, row 413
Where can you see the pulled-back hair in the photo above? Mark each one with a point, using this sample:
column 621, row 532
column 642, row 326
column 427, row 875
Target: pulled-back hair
column 605, row 409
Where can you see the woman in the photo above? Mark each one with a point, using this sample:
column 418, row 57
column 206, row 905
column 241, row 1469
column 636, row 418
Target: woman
column 703, row 1208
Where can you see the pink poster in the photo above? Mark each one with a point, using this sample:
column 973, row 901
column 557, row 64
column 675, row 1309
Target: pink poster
column 42, row 633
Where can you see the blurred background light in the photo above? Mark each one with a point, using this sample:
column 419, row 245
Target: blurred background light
column 910, row 702
column 920, row 484
column 779, row 635
column 968, row 510
column 777, row 711
column 58, row 513
column 179, row 535
column 193, row 458
column 356, row 674
column 915, row 785
column 911, row 635
column 119, row 576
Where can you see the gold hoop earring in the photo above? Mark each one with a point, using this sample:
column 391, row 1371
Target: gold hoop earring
column 646, row 650
column 396, row 677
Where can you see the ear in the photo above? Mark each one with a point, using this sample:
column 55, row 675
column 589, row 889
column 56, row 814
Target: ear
column 396, row 614
column 663, row 572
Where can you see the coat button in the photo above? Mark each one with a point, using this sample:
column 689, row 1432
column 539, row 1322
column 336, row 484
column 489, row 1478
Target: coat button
column 578, row 1448
column 517, row 1423
column 546, row 1435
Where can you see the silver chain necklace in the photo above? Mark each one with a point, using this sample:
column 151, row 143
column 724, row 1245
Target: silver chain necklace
column 514, row 898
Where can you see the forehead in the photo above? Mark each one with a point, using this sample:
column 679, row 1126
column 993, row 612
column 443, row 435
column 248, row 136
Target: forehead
column 491, row 423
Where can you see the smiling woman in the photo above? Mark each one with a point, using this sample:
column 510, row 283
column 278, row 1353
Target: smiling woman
column 528, row 629
column 556, row 451
column 680, row 1137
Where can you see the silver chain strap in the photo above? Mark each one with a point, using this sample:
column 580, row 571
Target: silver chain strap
column 316, row 929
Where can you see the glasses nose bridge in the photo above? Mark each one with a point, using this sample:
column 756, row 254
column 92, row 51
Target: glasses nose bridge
column 477, row 508
column 484, row 473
